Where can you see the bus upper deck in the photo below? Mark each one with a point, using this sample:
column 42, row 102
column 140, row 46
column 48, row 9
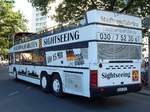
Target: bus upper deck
column 93, row 17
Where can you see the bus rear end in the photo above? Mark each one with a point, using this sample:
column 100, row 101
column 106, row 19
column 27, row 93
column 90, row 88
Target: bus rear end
column 117, row 70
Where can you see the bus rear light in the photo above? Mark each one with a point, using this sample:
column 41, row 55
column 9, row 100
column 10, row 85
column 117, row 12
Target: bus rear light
column 93, row 78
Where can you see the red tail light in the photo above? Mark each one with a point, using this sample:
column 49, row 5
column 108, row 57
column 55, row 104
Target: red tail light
column 93, row 78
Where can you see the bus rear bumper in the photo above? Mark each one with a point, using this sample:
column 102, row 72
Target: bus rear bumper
column 113, row 90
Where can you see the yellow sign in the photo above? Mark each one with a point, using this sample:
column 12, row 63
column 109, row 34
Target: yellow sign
column 135, row 75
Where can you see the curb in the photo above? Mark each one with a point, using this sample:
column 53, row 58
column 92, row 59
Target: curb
column 142, row 93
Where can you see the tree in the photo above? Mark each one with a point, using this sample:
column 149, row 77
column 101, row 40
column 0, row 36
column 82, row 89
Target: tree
column 10, row 22
column 70, row 9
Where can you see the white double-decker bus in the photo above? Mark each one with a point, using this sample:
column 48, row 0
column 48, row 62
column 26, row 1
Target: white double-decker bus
column 100, row 57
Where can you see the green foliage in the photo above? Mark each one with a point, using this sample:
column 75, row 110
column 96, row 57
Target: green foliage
column 42, row 5
column 70, row 9
column 10, row 22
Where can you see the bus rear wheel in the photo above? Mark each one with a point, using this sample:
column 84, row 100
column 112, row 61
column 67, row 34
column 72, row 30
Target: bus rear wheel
column 45, row 83
column 56, row 86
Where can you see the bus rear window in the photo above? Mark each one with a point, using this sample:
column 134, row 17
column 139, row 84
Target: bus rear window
column 118, row 51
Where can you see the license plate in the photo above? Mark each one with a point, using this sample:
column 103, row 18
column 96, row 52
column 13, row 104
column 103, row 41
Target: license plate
column 122, row 89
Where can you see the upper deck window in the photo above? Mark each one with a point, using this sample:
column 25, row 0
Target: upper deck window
column 23, row 37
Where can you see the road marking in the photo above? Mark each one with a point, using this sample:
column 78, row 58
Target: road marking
column 13, row 93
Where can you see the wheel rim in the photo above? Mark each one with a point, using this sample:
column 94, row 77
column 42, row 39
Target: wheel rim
column 44, row 82
column 56, row 85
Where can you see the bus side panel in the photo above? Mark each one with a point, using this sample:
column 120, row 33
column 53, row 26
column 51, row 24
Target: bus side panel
column 76, row 82
column 27, row 73
column 73, row 68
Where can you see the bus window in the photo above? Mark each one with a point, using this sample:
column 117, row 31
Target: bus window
column 38, row 58
column 26, row 58
column 17, row 58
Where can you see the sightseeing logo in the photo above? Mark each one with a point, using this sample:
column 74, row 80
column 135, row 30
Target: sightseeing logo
column 115, row 75
column 61, row 38
column 26, row 46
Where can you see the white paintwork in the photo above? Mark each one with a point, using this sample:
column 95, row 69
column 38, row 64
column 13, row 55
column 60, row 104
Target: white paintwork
column 81, row 31
column 112, row 18
column 114, row 81
column 115, row 33
column 92, row 32
column 28, row 79
column 34, row 44
column 59, row 58
column 84, row 77
column 75, row 80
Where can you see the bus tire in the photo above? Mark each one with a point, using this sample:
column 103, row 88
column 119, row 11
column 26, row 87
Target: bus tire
column 45, row 83
column 56, row 86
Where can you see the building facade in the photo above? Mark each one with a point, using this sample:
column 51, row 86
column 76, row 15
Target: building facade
column 41, row 22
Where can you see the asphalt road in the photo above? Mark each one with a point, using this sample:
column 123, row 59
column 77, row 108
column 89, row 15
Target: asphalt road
column 19, row 96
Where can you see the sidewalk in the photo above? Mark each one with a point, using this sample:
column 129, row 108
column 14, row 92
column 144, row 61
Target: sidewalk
column 145, row 92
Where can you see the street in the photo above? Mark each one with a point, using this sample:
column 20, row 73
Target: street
column 20, row 96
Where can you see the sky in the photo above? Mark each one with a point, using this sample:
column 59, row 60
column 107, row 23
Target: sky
column 26, row 9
